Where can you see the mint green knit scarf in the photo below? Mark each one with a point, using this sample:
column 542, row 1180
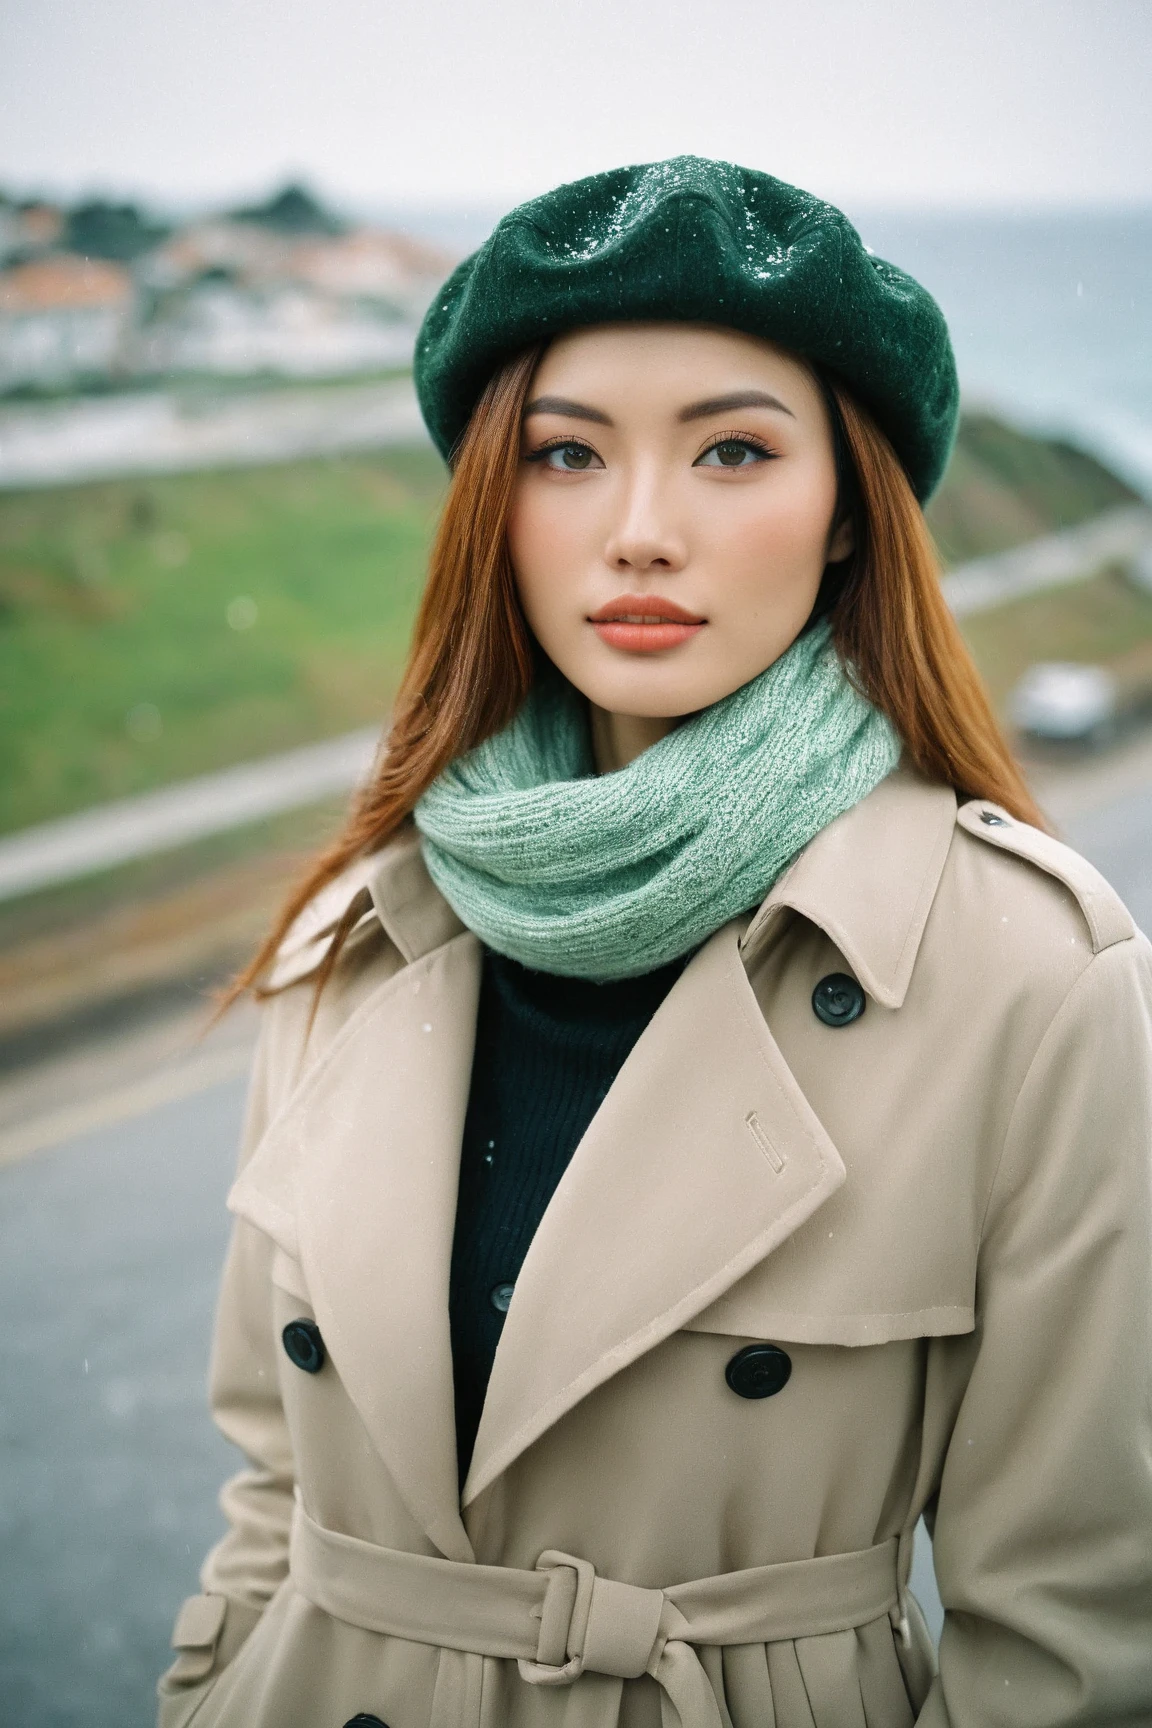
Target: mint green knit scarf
column 611, row 875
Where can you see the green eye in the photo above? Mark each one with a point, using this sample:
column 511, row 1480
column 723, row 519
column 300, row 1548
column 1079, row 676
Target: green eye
column 574, row 457
column 732, row 453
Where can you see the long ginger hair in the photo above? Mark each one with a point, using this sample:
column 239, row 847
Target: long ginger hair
column 471, row 660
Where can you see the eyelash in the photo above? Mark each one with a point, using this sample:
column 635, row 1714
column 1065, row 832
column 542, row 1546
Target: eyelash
column 748, row 438
column 543, row 450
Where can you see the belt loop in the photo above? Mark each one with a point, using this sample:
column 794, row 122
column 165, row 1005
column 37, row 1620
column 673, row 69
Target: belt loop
column 898, row 1614
column 563, row 1620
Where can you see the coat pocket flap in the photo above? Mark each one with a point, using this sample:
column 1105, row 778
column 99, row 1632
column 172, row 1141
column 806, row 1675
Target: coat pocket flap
column 198, row 1623
column 746, row 1316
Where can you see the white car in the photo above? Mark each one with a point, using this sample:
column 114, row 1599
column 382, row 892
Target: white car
column 1060, row 700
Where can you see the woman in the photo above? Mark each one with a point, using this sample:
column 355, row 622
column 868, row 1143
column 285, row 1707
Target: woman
column 701, row 1121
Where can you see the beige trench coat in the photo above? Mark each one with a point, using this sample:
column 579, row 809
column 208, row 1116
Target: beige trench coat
column 940, row 1212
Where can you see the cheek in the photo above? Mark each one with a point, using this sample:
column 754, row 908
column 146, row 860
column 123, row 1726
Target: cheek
column 519, row 532
column 552, row 538
column 781, row 539
column 537, row 545
column 773, row 535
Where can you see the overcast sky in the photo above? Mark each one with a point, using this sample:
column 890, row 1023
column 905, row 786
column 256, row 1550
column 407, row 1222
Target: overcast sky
column 481, row 102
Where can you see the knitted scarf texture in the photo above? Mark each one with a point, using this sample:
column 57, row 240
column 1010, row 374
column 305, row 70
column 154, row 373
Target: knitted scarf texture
column 606, row 876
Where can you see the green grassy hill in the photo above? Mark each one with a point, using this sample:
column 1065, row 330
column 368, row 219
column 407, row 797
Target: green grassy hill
column 153, row 629
column 1004, row 488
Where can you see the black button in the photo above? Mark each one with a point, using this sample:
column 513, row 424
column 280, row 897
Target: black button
column 758, row 1371
column 365, row 1720
column 992, row 820
column 304, row 1345
column 838, row 1000
column 500, row 1297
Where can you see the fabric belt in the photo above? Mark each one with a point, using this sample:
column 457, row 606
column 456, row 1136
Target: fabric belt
column 562, row 1619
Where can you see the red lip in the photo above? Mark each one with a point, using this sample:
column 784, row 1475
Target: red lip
column 633, row 606
column 663, row 624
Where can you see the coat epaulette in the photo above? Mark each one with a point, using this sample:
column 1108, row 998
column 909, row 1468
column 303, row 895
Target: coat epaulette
column 1108, row 919
column 310, row 934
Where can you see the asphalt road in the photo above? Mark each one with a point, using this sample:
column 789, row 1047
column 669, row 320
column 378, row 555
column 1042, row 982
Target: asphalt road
column 110, row 1246
column 109, row 1252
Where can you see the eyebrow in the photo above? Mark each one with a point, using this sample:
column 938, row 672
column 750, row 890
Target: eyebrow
column 564, row 405
column 728, row 404
column 695, row 411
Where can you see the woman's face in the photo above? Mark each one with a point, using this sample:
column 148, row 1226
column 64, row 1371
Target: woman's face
column 673, row 512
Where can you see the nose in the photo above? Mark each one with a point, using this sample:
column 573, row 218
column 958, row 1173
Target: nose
column 644, row 536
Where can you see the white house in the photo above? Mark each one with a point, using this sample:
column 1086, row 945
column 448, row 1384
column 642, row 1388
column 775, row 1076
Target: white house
column 63, row 318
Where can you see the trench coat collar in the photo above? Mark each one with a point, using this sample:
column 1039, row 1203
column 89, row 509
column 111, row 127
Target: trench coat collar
column 356, row 1177
column 868, row 881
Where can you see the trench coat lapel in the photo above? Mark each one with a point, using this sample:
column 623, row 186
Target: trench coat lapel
column 357, row 1178
column 377, row 1213
column 704, row 1156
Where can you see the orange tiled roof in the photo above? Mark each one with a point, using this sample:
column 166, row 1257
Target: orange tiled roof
column 65, row 280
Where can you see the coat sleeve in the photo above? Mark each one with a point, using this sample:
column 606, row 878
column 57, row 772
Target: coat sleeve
column 244, row 1569
column 1043, row 1529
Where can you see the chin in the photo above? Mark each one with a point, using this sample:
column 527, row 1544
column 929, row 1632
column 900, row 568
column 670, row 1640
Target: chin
column 652, row 693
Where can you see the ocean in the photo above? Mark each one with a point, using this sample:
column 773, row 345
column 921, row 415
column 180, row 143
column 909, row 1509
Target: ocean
column 1051, row 318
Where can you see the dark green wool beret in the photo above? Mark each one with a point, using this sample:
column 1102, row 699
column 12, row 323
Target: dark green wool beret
column 708, row 242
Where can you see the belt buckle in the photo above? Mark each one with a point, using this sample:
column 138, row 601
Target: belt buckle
column 563, row 1620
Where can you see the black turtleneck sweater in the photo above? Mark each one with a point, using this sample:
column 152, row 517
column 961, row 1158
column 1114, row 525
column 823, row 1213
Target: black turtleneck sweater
column 547, row 1051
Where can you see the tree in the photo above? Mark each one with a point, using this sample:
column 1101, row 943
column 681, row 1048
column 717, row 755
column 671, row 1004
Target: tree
column 120, row 231
column 293, row 210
